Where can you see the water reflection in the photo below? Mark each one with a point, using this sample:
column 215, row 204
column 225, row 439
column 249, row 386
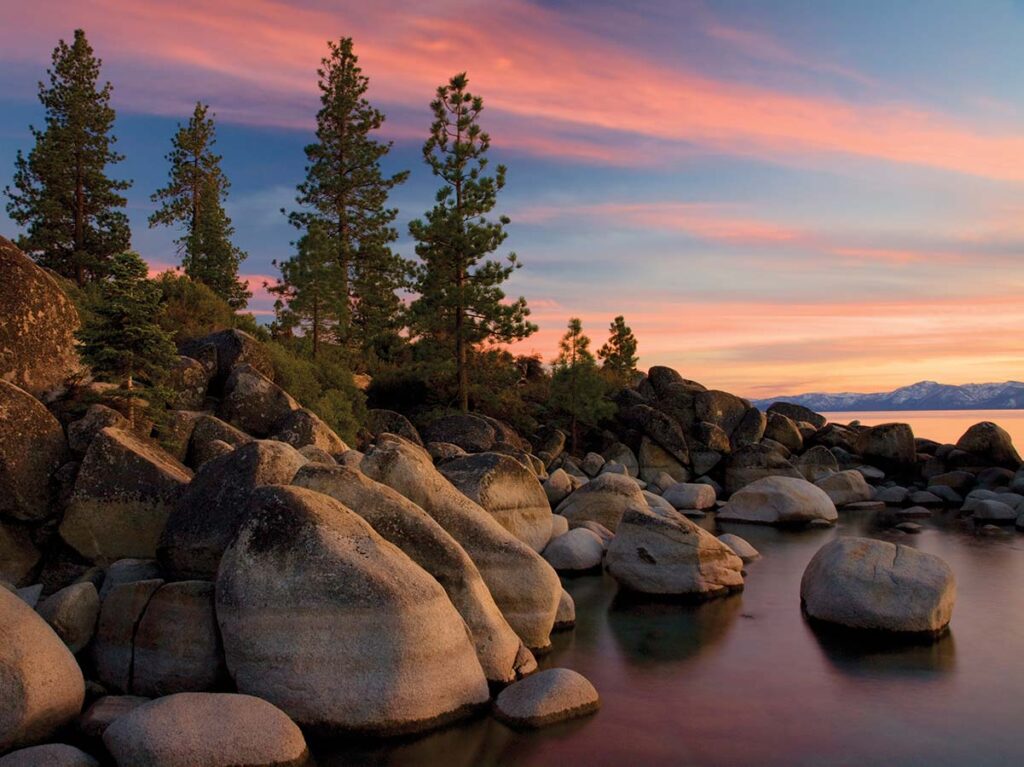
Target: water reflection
column 866, row 654
column 652, row 631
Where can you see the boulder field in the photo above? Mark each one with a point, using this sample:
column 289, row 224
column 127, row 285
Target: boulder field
column 240, row 544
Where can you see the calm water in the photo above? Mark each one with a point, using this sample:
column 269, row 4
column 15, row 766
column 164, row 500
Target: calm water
column 939, row 425
column 745, row 681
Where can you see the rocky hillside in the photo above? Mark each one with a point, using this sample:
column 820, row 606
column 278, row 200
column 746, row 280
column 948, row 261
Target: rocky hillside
column 175, row 593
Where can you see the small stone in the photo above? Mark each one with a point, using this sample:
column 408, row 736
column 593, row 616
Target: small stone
column 740, row 547
column 547, row 697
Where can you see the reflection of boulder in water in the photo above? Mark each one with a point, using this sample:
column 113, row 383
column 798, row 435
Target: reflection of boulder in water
column 875, row 654
column 654, row 631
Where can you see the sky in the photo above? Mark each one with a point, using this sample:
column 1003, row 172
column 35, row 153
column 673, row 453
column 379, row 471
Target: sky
column 779, row 197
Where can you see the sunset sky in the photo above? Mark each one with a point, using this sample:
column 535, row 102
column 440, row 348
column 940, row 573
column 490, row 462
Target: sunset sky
column 779, row 197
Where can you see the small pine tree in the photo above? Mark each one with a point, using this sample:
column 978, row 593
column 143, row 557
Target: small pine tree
column 122, row 341
column 62, row 194
column 577, row 388
column 460, row 302
column 309, row 291
column 194, row 198
column 618, row 355
column 345, row 194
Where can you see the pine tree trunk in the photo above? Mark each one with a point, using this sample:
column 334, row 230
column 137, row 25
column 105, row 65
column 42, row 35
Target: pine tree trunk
column 130, row 385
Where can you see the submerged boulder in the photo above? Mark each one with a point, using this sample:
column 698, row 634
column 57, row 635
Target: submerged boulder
column 213, row 506
column 41, row 685
column 507, row 490
column 545, row 698
column 779, row 501
column 523, row 585
column 208, row 729
column 670, row 555
column 38, row 351
column 862, row 583
column 604, row 500
column 32, row 448
column 401, row 522
column 336, row 626
column 123, row 495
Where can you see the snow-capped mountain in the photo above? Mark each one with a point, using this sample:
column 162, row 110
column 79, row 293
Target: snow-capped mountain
column 924, row 395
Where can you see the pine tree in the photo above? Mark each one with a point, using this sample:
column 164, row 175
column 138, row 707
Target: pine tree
column 461, row 303
column 309, row 291
column 345, row 193
column 577, row 387
column 62, row 194
column 618, row 355
column 194, row 199
column 122, row 339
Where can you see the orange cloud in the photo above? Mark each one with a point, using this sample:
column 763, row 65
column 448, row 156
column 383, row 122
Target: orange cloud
column 532, row 63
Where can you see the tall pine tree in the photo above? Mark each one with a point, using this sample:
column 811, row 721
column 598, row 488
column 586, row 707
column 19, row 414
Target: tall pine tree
column 62, row 195
column 194, row 199
column 122, row 340
column 309, row 294
column 345, row 196
column 461, row 303
column 618, row 355
column 577, row 388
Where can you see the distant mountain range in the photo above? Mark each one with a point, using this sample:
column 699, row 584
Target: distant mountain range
column 924, row 395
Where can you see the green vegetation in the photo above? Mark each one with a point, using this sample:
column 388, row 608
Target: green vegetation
column 62, row 196
column 577, row 387
column 194, row 198
column 461, row 305
column 618, row 355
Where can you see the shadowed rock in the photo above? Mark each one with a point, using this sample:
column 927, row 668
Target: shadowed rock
column 991, row 443
column 37, row 335
column 32, row 448
column 72, row 613
column 50, row 755
column 254, row 403
column 223, row 351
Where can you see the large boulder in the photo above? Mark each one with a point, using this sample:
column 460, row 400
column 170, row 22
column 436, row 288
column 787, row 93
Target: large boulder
column 177, row 646
column 816, row 463
column 472, row 433
column 254, row 403
column 754, row 462
column 102, row 713
column 208, row 430
column 783, row 430
column 302, row 428
column 123, row 495
column 41, row 685
column 224, row 350
column 679, row 401
column 654, row 460
column 19, row 557
column 187, row 383
column 208, row 729
column 667, row 554
column 557, row 486
column 798, row 413
column 750, row 429
column 213, row 506
column 37, row 334
column 379, row 421
column 336, row 626
column 72, row 613
column 621, row 454
column 890, row 445
column 862, row 583
column 401, row 522
column 32, row 448
column 113, row 648
column 547, row 697
column 720, row 408
column 508, row 491
column 991, row 443
column 779, row 501
column 846, row 487
column 604, row 500
column 98, row 417
column 523, row 585
column 690, row 495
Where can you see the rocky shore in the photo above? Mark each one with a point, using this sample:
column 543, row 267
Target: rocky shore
column 214, row 588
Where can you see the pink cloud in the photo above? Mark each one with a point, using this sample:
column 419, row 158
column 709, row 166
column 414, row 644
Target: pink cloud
column 532, row 63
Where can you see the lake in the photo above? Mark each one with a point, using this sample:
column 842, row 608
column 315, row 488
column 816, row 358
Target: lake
column 939, row 425
column 746, row 681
